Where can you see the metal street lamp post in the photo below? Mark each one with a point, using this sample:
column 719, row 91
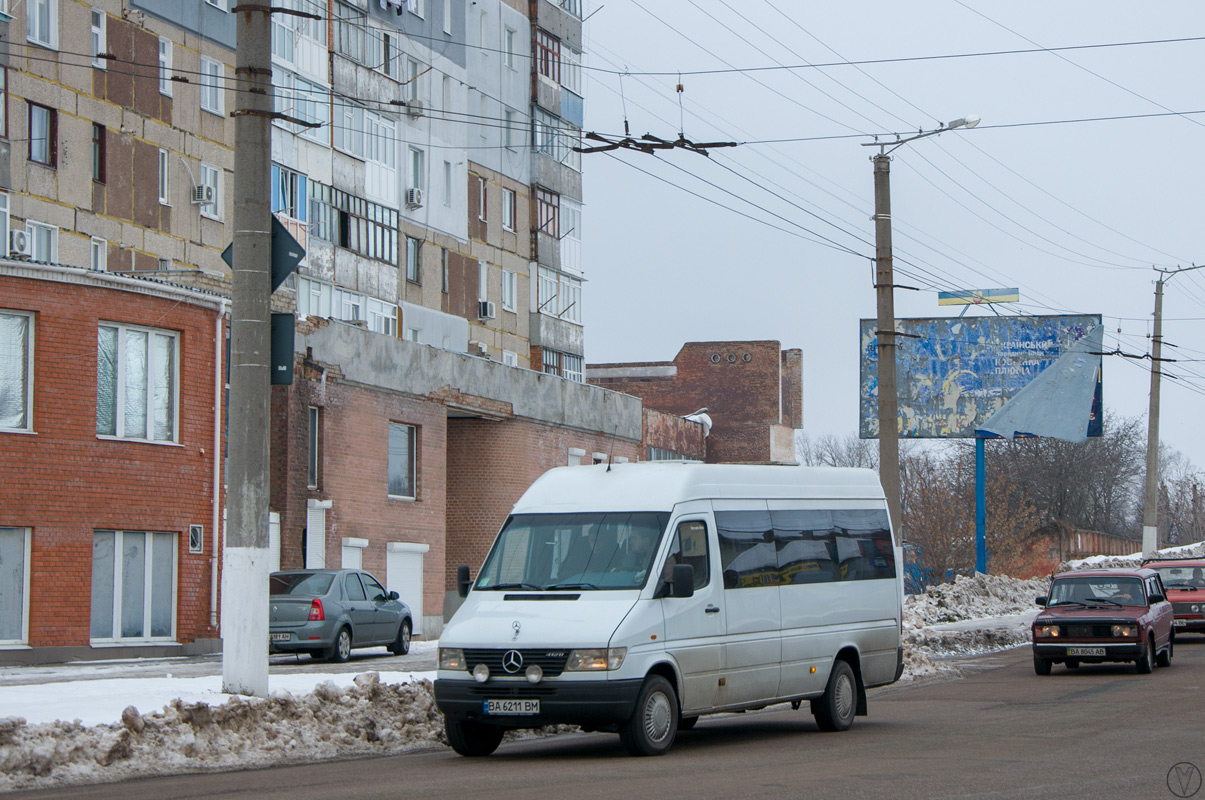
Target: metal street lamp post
column 889, row 452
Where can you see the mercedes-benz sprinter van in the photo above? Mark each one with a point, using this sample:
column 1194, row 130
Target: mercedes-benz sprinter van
column 635, row 598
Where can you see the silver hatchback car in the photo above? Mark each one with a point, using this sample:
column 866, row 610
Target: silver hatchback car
column 327, row 612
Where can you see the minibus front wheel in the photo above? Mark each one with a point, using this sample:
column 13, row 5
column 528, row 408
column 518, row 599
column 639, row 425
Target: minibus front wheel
column 472, row 738
column 651, row 729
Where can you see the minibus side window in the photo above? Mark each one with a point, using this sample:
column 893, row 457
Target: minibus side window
column 689, row 546
column 747, row 549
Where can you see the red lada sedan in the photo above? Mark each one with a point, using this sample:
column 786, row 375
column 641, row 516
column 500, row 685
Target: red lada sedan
column 1184, row 579
column 1099, row 615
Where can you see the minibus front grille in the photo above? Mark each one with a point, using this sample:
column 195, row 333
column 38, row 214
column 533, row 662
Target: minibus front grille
column 552, row 662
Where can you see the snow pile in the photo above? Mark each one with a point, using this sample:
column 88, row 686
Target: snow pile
column 367, row 718
column 973, row 615
column 1134, row 559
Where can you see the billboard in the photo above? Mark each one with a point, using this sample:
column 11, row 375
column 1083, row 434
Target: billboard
column 953, row 373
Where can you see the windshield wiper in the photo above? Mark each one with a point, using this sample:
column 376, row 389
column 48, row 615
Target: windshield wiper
column 571, row 586
column 502, row 586
column 1104, row 600
column 1064, row 603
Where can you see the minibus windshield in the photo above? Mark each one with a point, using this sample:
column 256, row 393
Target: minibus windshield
column 589, row 551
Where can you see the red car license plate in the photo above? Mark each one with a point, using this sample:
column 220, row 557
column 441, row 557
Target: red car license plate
column 1085, row 651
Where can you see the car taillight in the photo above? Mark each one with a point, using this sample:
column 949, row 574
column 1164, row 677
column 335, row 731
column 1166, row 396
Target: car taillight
column 316, row 614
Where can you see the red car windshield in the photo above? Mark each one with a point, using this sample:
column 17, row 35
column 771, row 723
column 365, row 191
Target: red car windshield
column 1181, row 577
column 1097, row 590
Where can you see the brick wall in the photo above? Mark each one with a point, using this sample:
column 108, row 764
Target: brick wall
column 64, row 483
column 490, row 465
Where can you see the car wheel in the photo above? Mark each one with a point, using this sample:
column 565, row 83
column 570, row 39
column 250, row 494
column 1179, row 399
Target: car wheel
column 401, row 645
column 1072, row 663
column 651, row 729
column 1041, row 665
column 835, row 709
column 1146, row 661
column 1165, row 658
column 340, row 651
column 472, row 739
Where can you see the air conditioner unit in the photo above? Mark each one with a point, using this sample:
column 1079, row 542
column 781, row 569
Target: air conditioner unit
column 414, row 197
column 486, row 309
column 20, row 243
column 202, row 195
column 414, row 108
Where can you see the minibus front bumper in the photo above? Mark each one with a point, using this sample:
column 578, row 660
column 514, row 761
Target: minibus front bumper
column 591, row 704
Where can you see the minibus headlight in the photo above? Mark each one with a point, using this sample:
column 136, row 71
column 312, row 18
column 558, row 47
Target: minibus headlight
column 451, row 658
column 1125, row 631
column 595, row 658
column 1047, row 631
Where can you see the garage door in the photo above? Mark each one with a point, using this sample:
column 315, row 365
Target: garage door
column 404, row 575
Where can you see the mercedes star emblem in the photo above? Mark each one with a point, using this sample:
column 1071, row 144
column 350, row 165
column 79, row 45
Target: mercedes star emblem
column 515, row 626
column 512, row 661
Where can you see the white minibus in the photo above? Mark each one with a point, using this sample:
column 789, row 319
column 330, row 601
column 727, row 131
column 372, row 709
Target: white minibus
column 635, row 598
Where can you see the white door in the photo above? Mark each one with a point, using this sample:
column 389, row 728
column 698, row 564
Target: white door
column 404, row 575
column 695, row 626
column 352, row 558
column 273, row 542
column 315, row 537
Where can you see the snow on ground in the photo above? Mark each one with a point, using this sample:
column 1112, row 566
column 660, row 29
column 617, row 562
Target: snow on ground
column 123, row 728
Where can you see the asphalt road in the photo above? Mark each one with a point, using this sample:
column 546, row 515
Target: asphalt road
column 998, row 732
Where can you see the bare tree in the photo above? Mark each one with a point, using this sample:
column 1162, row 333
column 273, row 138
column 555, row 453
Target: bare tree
column 835, row 451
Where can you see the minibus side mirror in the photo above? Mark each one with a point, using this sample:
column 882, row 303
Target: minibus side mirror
column 682, row 581
column 463, row 581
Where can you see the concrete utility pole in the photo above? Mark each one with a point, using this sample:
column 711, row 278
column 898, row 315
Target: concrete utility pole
column 245, row 557
column 889, row 431
column 1150, row 498
column 884, row 284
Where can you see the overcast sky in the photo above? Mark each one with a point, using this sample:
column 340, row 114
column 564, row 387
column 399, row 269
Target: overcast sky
column 773, row 240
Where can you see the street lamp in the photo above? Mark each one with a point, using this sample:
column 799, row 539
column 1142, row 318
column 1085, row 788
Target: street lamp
column 889, row 431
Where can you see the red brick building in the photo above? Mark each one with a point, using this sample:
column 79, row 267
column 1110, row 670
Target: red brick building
column 753, row 393
column 111, row 458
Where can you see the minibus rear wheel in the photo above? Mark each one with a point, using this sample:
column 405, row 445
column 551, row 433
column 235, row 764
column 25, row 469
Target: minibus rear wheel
column 472, row 739
column 651, row 729
column 835, row 709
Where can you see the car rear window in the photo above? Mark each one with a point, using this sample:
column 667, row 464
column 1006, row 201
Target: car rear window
column 316, row 583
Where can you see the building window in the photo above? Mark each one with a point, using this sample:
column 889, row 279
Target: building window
column 418, row 8
column 508, row 209
column 566, row 365
column 98, row 254
column 571, row 235
column 351, row 26
column 355, row 223
column 413, row 260
column 448, row 183
column 447, row 4
column 548, row 210
column 388, row 54
column 98, row 152
column 14, row 586
column 555, row 138
column 481, row 203
column 508, row 129
column 165, row 66
column 136, row 383
column 571, row 75
column 510, row 283
column 98, row 37
column 212, row 177
column 416, row 168
column 16, row 371
column 510, row 358
column 220, row 5
column 133, row 586
column 42, row 22
column 43, row 135
column 548, row 55
column 45, row 241
column 164, row 178
column 288, row 193
column 401, row 460
column 413, row 74
column 483, row 281
column 305, row 101
column 443, row 268
column 311, row 472
column 4, row 102
column 508, row 48
column 211, row 85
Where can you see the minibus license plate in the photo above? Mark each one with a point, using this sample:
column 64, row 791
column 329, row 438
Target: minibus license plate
column 512, row 706
column 1085, row 651
column 279, row 637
